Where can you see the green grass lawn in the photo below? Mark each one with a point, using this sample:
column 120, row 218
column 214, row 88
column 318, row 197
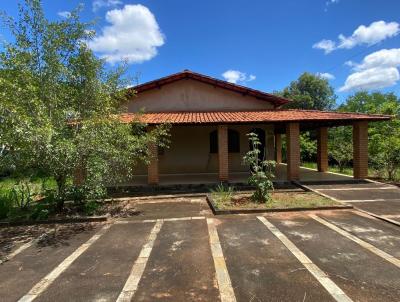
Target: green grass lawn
column 335, row 169
column 348, row 170
column 7, row 183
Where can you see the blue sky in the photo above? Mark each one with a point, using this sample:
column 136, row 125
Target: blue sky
column 260, row 44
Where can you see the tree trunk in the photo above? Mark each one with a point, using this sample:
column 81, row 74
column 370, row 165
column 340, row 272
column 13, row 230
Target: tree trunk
column 60, row 180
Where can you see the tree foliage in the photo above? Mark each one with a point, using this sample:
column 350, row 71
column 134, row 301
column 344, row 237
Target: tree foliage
column 310, row 91
column 308, row 147
column 384, row 137
column 59, row 106
column 340, row 146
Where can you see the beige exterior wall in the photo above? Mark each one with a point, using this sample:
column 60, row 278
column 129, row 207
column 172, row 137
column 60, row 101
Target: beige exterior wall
column 192, row 95
column 189, row 151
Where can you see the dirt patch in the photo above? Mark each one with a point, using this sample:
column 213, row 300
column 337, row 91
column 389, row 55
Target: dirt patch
column 110, row 208
column 76, row 212
column 278, row 200
column 44, row 235
column 118, row 209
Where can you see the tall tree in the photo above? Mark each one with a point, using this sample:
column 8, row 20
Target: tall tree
column 310, row 91
column 60, row 105
column 384, row 137
column 340, row 146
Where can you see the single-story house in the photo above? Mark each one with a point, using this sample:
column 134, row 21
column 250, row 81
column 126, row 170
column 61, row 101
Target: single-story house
column 210, row 119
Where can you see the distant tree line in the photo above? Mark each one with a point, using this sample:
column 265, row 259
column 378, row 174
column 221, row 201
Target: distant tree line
column 313, row 92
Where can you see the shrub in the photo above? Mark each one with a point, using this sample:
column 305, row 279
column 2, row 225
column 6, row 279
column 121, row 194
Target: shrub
column 262, row 171
column 19, row 202
column 90, row 207
column 40, row 211
column 6, row 204
column 222, row 193
column 24, row 193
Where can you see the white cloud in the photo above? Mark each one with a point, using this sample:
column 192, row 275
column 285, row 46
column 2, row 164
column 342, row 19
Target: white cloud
column 349, row 63
column 64, row 14
column 369, row 35
column 251, row 77
column 380, row 58
column 373, row 78
column 235, row 76
column 326, row 45
column 363, row 35
column 133, row 35
column 97, row 4
column 330, row 2
column 326, row 75
column 377, row 70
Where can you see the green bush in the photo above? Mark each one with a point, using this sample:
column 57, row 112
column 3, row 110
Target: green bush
column 24, row 194
column 222, row 193
column 40, row 211
column 262, row 171
column 90, row 207
column 6, row 204
column 19, row 202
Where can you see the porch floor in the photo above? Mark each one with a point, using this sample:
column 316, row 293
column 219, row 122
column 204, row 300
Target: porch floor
column 239, row 177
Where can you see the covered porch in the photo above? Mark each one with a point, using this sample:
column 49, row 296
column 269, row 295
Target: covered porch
column 193, row 159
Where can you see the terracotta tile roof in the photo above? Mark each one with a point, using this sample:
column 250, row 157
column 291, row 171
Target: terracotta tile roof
column 187, row 74
column 233, row 117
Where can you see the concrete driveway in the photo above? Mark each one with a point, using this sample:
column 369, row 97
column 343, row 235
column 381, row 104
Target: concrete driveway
column 378, row 198
column 194, row 256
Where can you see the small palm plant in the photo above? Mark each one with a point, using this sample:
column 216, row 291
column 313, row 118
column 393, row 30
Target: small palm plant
column 262, row 171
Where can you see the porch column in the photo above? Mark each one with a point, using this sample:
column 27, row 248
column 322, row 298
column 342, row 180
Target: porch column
column 360, row 150
column 278, row 148
column 293, row 151
column 152, row 168
column 223, row 153
column 322, row 149
column 270, row 148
